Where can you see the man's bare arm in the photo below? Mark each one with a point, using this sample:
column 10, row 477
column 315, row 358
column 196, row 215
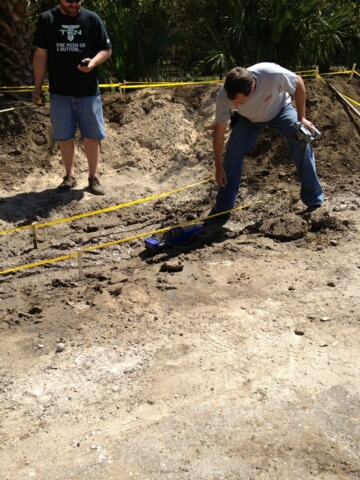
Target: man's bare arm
column 99, row 58
column 218, row 149
column 300, row 102
column 40, row 66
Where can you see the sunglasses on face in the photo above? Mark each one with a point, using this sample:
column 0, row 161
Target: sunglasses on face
column 73, row 1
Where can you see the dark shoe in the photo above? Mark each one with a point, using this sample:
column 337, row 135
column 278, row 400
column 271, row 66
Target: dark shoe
column 95, row 187
column 213, row 217
column 312, row 208
column 68, row 183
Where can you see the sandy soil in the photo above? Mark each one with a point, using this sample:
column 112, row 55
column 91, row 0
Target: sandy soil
column 234, row 357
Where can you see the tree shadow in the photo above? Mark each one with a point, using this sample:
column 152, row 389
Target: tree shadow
column 23, row 208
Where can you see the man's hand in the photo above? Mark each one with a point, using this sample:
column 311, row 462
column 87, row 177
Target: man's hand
column 308, row 125
column 99, row 58
column 38, row 98
column 85, row 65
column 220, row 177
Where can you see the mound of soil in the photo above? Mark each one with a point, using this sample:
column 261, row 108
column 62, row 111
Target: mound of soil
column 233, row 356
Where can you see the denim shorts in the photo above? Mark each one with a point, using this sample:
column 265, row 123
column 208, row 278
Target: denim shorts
column 67, row 113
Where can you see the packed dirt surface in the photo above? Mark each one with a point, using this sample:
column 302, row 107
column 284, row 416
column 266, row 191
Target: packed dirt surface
column 233, row 357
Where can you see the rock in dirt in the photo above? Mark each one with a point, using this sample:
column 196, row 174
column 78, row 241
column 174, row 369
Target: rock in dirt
column 60, row 347
column 285, row 228
column 299, row 331
column 172, row 267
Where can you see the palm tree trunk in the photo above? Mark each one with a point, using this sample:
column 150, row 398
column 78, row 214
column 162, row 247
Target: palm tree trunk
column 15, row 43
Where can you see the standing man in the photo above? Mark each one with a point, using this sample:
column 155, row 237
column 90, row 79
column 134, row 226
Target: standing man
column 71, row 42
column 261, row 95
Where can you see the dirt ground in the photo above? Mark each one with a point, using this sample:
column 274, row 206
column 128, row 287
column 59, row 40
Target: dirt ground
column 233, row 357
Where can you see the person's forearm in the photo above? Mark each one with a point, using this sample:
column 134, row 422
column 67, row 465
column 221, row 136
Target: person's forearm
column 100, row 57
column 300, row 98
column 218, row 149
column 218, row 146
column 39, row 65
column 300, row 102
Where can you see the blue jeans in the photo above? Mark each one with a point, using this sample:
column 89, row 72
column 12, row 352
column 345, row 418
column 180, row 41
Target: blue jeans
column 243, row 136
column 67, row 113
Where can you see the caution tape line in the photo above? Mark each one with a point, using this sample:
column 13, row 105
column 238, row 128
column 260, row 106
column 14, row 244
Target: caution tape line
column 30, row 88
column 351, row 100
column 134, row 85
column 104, row 210
column 11, row 109
column 345, row 72
column 305, row 71
column 172, row 84
column 110, row 85
column 320, row 78
column 125, row 84
column 347, row 98
column 129, row 239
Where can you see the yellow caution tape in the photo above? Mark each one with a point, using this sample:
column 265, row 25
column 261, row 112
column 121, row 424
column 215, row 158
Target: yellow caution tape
column 351, row 100
column 320, row 78
column 125, row 85
column 169, row 84
column 104, row 210
column 129, row 239
column 305, row 71
column 29, row 88
column 347, row 98
column 38, row 264
column 345, row 72
column 16, row 108
column 130, row 84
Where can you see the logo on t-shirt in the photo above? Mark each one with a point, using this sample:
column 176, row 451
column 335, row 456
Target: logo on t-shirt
column 71, row 31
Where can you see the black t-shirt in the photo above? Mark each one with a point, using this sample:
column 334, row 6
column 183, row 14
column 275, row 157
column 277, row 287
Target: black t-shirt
column 68, row 40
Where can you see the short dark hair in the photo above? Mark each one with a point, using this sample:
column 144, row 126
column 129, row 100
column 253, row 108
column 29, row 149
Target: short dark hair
column 238, row 80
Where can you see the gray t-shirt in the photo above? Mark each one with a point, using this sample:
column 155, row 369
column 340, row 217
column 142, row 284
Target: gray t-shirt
column 274, row 85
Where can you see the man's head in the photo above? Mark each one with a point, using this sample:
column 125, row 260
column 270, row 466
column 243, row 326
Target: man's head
column 70, row 7
column 239, row 84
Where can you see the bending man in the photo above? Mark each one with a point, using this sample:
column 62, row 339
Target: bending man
column 261, row 95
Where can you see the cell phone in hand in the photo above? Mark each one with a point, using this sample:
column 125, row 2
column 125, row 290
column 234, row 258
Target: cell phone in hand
column 84, row 63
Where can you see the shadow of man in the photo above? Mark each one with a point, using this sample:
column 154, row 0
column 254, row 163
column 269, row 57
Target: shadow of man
column 23, row 208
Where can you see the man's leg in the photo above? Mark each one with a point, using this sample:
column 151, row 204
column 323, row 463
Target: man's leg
column 67, row 149
column 92, row 149
column 242, row 137
column 63, row 120
column 303, row 155
column 91, row 122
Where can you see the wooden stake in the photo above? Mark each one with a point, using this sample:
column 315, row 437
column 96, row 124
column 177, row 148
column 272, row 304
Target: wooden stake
column 352, row 71
column 291, row 201
column 80, row 264
column 33, row 233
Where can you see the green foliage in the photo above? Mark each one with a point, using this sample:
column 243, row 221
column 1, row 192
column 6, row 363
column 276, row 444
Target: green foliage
column 292, row 33
column 142, row 37
column 168, row 39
